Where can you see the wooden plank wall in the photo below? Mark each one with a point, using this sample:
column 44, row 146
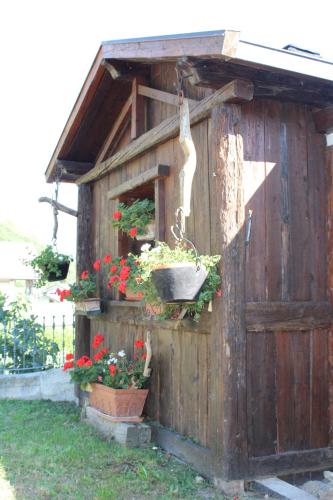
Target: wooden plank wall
column 285, row 186
column 180, row 379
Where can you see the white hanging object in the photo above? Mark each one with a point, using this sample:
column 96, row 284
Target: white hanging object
column 187, row 172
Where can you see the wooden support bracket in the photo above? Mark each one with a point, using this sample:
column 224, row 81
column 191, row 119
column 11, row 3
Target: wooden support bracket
column 237, row 91
column 58, row 206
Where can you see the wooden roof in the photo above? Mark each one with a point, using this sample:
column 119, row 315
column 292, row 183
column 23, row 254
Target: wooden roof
column 208, row 59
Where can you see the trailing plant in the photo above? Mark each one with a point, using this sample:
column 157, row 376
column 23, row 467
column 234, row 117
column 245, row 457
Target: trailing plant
column 85, row 287
column 124, row 274
column 22, row 339
column 162, row 255
column 134, row 273
column 116, row 370
column 132, row 218
column 47, row 262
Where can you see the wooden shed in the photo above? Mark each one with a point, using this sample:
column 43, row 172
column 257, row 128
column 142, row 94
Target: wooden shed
column 251, row 384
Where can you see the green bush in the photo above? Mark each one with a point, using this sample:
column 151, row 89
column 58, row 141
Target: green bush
column 23, row 344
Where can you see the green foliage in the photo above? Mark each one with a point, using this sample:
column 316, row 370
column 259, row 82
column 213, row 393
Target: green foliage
column 135, row 215
column 115, row 370
column 46, row 262
column 22, row 338
column 81, row 290
column 163, row 255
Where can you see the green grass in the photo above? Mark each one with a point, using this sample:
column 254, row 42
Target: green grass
column 46, row 452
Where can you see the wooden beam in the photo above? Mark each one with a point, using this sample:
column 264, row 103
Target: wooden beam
column 81, row 105
column 268, row 82
column 324, row 120
column 83, row 261
column 138, row 120
column 197, row 456
column 160, row 95
column 211, row 44
column 74, row 167
column 287, row 316
column 235, row 91
column 158, row 172
column 115, row 129
column 291, row 462
column 58, row 206
column 228, row 404
column 159, row 209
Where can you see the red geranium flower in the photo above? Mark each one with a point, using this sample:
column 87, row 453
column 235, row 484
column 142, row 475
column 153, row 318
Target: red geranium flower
column 219, row 293
column 107, row 258
column 113, row 279
column 97, row 340
column 113, row 269
column 124, row 272
column 99, row 378
column 122, row 262
column 100, row 354
column 68, row 365
column 117, row 215
column 84, row 275
column 139, row 343
column 139, row 295
column 133, row 232
column 97, row 264
column 112, row 370
column 69, row 357
column 122, row 287
column 83, row 361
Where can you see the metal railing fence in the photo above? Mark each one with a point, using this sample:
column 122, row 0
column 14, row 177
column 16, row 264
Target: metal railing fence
column 35, row 343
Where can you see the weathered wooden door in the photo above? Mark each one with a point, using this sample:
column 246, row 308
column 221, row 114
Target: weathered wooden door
column 288, row 315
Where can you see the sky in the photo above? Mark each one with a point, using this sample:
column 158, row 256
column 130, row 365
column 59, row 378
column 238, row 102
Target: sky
column 47, row 48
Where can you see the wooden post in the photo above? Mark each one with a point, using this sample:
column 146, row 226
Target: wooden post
column 329, row 166
column 83, row 261
column 228, row 432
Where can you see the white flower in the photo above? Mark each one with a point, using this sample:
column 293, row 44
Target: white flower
column 145, row 247
column 112, row 361
column 122, row 353
column 156, row 250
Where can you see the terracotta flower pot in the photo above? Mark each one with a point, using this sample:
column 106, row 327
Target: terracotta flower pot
column 180, row 282
column 132, row 296
column 61, row 274
column 121, row 403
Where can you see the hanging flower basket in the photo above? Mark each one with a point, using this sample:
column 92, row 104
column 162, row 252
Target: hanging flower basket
column 125, row 404
column 61, row 273
column 179, row 282
column 88, row 307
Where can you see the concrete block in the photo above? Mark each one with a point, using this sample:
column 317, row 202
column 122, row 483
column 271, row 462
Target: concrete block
column 23, row 386
column 281, row 489
column 131, row 435
column 52, row 384
column 56, row 385
column 231, row 488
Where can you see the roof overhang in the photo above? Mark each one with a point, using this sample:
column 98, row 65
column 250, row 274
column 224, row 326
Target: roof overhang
column 223, row 45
